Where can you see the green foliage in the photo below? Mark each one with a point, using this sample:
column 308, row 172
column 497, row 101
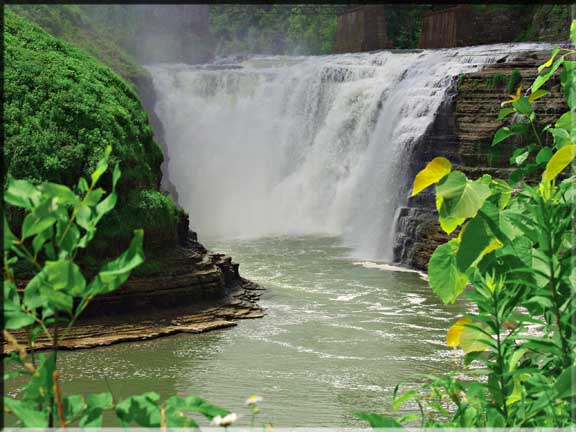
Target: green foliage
column 61, row 109
column 515, row 252
column 274, row 29
column 496, row 80
column 73, row 24
column 58, row 223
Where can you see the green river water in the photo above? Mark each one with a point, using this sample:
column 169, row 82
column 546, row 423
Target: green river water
column 338, row 335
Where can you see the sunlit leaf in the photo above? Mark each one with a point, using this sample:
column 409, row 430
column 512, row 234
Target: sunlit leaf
column 472, row 339
column 454, row 332
column 559, row 161
column 550, row 60
column 462, row 198
column 537, row 95
column 543, row 79
column 434, row 171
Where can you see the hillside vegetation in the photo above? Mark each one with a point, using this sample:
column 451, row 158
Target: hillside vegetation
column 62, row 107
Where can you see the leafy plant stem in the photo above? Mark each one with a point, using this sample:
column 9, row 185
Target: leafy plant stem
column 499, row 354
column 536, row 134
column 550, row 251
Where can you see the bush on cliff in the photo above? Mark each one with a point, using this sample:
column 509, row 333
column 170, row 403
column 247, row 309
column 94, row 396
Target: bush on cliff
column 74, row 25
column 61, row 109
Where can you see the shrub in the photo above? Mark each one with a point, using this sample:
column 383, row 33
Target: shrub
column 514, row 251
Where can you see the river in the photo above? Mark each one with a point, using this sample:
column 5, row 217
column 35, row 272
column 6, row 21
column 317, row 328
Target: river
column 338, row 335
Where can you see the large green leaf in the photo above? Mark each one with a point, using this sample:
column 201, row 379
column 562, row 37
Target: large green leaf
column 65, row 276
column 461, row 197
column 27, row 412
column 445, row 279
column 476, row 240
column 560, row 160
column 21, row 193
column 142, row 410
column 39, row 219
column 208, row 410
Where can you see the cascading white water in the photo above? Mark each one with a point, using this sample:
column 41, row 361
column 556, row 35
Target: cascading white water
column 304, row 145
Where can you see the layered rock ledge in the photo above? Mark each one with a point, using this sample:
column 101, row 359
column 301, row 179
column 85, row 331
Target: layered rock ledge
column 462, row 132
column 187, row 290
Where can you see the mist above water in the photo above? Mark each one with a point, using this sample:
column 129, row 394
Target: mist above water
column 304, row 145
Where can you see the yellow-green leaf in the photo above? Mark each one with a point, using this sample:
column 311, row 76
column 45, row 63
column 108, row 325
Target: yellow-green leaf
column 550, row 60
column 453, row 336
column 560, row 160
column 435, row 171
column 447, row 223
column 537, row 95
column 473, row 340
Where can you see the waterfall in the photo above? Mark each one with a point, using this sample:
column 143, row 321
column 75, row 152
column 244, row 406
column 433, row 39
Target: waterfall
column 305, row 145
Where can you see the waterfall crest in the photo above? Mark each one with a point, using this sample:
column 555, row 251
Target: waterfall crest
column 304, row 145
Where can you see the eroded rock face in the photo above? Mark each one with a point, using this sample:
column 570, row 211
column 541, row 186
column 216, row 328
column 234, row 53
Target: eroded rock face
column 462, row 132
column 188, row 290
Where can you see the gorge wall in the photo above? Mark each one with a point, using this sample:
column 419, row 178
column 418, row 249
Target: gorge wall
column 462, row 132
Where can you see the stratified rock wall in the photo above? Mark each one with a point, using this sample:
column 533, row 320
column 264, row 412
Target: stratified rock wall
column 462, row 132
column 362, row 28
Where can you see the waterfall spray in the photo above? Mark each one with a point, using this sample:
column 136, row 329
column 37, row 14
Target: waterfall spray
column 305, row 145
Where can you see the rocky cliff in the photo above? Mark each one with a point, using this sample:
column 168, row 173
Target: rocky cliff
column 462, row 132
column 362, row 28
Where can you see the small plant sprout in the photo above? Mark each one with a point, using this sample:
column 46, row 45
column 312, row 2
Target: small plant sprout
column 253, row 400
column 252, row 403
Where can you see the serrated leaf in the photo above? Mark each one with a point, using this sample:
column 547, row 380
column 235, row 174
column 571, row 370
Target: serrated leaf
column 473, row 340
column 434, row 171
column 27, row 412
